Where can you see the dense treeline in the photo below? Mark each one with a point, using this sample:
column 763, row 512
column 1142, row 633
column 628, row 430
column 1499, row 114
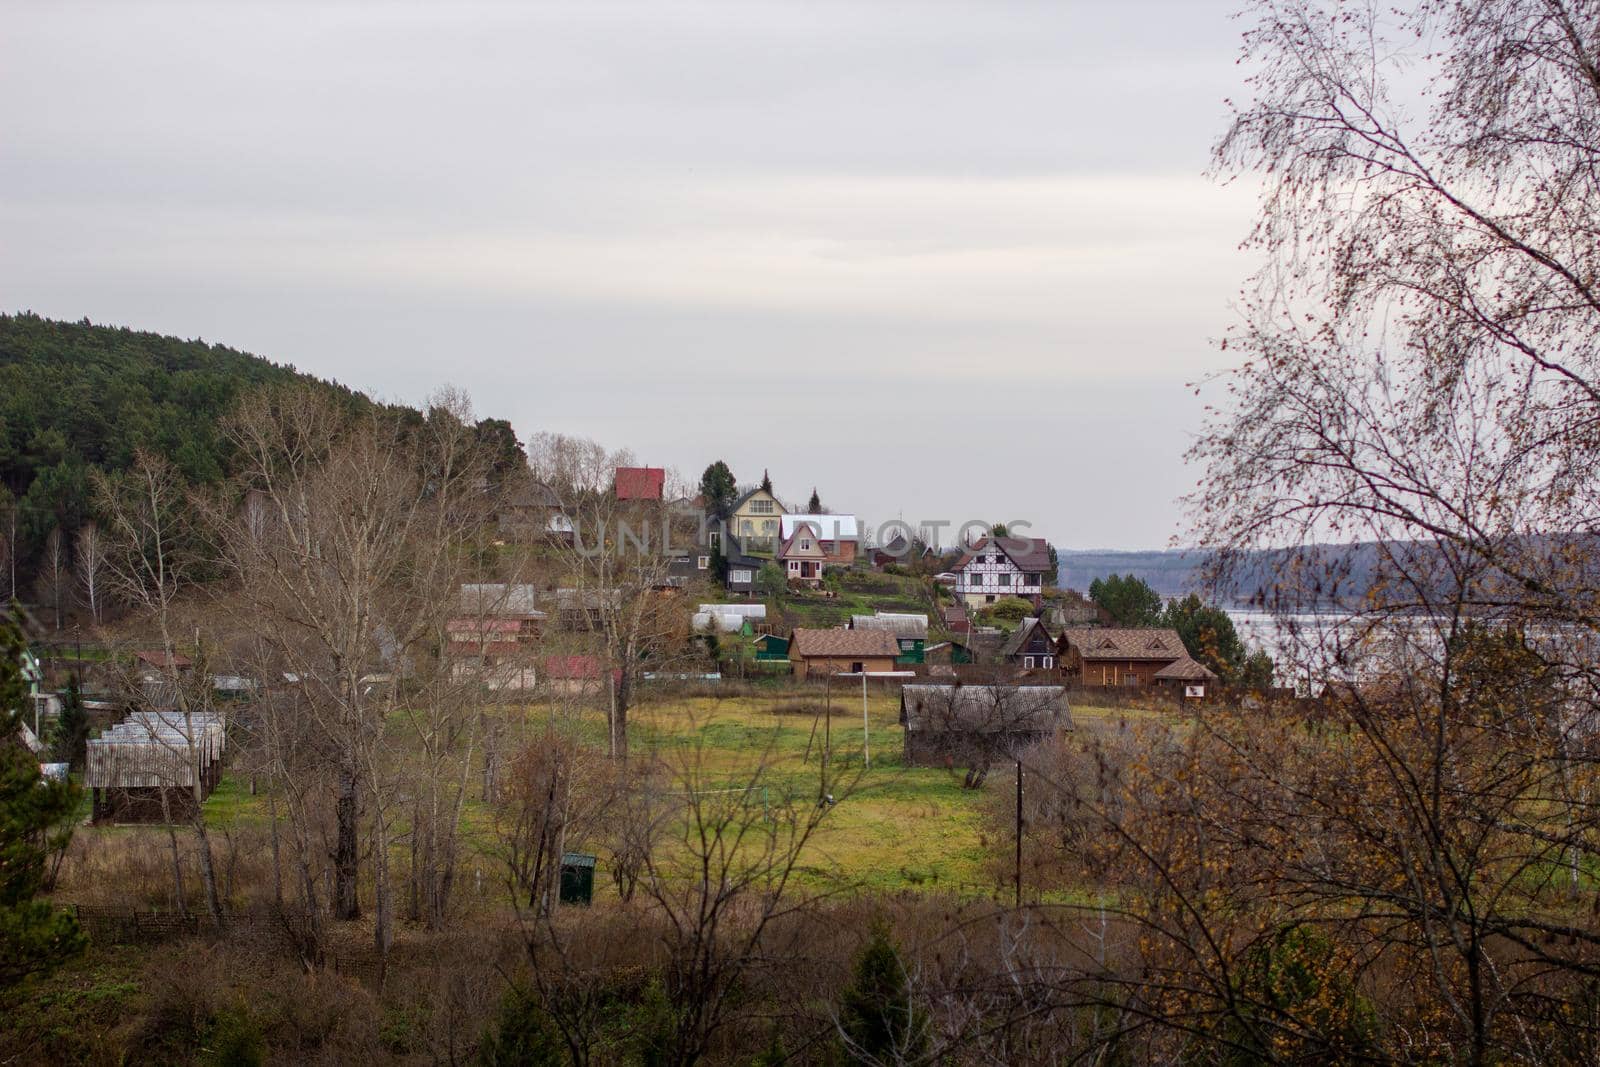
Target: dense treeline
column 76, row 397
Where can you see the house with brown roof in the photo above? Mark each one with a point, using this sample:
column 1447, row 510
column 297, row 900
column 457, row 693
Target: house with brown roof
column 1122, row 657
column 998, row 567
column 834, row 651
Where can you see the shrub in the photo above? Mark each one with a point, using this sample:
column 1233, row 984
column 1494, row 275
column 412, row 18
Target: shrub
column 522, row 1035
column 875, row 1010
column 1009, row 609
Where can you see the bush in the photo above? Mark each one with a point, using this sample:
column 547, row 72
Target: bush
column 1011, row 610
column 523, row 1035
column 234, row 1039
column 875, row 1010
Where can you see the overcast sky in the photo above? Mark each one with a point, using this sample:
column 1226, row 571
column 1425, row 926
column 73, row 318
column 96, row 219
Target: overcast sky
column 943, row 261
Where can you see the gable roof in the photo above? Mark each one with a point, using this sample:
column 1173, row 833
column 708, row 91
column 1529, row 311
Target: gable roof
column 792, row 548
column 1186, row 670
column 530, row 493
column 1154, row 643
column 1028, row 553
column 757, row 491
column 1019, row 637
column 984, row 709
column 827, row 527
column 640, row 483
column 499, row 598
column 844, row 644
column 901, row 624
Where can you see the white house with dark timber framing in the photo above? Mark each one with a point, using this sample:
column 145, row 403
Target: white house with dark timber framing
column 998, row 567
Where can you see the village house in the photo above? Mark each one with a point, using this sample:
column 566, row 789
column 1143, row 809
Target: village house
column 1030, row 647
column 824, row 652
column 688, row 565
column 583, row 610
column 956, row 723
column 578, row 676
column 998, row 567
column 742, row 571
column 527, row 510
column 493, row 633
column 838, row 535
column 639, row 483
column 1123, row 658
column 910, row 632
column 755, row 521
column 898, row 550
column 801, row 557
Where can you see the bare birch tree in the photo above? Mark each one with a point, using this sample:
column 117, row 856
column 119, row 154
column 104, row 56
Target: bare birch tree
column 150, row 553
column 55, row 571
column 91, row 564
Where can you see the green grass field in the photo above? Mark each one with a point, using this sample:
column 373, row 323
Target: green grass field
column 892, row 827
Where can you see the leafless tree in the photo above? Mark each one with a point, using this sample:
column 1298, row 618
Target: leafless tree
column 348, row 553
column 150, row 554
column 618, row 573
column 91, row 562
column 719, row 883
column 576, row 467
column 55, row 572
column 978, row 725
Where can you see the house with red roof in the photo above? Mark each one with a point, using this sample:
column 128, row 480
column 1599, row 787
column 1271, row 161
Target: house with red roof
column 639, row 483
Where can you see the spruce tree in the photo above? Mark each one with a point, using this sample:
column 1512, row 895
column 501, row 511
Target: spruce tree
column 35, row 821
column 875, row 1010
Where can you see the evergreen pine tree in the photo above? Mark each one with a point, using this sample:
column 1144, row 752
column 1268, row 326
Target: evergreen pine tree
column 875, row 1010
column 35, row 821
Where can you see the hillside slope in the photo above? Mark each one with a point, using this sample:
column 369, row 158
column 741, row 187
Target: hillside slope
column 76, row 396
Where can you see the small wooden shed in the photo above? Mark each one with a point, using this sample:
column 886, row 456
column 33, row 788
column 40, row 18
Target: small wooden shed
column 146, row 768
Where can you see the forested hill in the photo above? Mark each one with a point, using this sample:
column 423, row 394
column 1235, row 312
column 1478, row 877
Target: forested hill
column 75, row 396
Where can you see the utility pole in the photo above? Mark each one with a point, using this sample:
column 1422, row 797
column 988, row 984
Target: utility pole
column 866, row 757
column 1019, row 834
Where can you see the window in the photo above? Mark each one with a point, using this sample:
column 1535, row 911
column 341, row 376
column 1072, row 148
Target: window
column 989, row 599
column 1048, row 661
column 761, row 507
column 739, row 576
column 1003, row 579
column 857, row 667
column 703, row 562
column 1027, row 661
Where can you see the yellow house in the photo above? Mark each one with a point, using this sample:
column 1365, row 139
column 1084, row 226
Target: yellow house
column 755, row 520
